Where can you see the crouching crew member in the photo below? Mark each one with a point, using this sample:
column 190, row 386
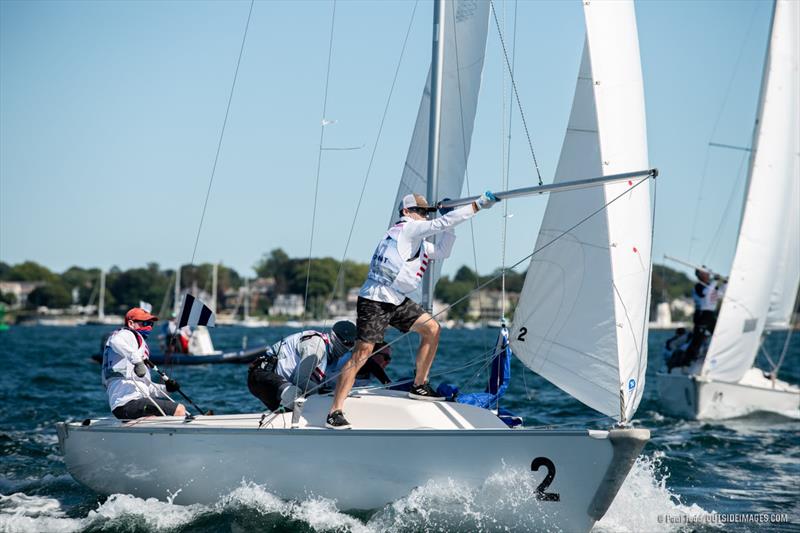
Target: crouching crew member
column 131, row 393
column 296, row 364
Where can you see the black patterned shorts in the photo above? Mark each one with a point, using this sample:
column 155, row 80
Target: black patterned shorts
column 144, row 407
column 374, row 317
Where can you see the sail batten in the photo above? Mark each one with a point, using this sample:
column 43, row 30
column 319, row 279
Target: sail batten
column 581, row 321
column 763, row 278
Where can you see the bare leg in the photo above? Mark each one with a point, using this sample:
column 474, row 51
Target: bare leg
column 347, row 377
column 180, row 410
column 429, row 331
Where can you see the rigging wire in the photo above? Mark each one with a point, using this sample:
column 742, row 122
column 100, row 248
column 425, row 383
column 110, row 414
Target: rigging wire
column 507, row 165
column 646, row 316
column 715, row 240
column 785, row 346
column 516, row 93
column 716, row 125
column 319, row 159
column 340, row 274
column 222, row 131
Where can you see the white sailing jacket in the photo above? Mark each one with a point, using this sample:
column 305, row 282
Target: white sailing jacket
column 402, row 256
column 294, row 348
column 124, row 349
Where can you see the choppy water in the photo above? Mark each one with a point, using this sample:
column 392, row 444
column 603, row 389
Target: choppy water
column 693, row 469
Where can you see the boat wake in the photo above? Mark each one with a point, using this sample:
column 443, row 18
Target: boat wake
column 504, row 502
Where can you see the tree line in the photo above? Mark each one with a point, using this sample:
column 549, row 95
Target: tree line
column 326, row 279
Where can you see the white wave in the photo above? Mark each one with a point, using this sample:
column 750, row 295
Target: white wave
column 320, row 514
column 506, row 501
column 643, row 498
column 32, row 514
column 154, row 513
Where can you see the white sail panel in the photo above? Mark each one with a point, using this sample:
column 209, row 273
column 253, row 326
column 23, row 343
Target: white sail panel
column 773, row 172
column 581, row 320
column 787, row 277
column 466, row 25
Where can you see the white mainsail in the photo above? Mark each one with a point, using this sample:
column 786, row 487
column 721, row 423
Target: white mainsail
column 581, row 321
column 771, row 183
column 466, row 25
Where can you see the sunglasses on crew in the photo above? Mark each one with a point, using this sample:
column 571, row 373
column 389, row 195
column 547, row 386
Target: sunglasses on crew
column 145, row 323
column 424, row 211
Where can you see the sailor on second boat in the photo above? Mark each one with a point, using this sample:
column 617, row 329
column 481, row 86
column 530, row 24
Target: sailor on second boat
column 296, row 364
column 131, row 393
column 395, row 272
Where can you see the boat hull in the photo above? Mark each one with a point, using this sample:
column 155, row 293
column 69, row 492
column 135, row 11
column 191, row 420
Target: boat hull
column 241, row 357
column 201, row 460
column 696, row 398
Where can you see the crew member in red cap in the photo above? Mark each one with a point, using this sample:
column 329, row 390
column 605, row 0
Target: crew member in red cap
column 131, row 393
column 395, row 272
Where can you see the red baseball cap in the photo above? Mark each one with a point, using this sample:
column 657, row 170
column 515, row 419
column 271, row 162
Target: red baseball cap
column 140, row 315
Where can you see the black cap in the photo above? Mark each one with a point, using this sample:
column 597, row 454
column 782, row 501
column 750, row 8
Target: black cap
column 346, row 332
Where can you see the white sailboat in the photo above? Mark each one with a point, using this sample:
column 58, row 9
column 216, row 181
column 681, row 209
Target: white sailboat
column 102, row 318
column 765, row 274
column 587, row 338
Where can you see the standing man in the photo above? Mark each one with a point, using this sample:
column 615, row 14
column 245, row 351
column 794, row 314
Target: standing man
column 396, row 270
column 706, row 294
column 131, row 393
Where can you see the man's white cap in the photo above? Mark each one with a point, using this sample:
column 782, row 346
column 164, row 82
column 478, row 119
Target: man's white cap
column 413, row 200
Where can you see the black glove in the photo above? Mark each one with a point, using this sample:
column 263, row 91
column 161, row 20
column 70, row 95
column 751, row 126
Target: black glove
column 172, row 385
column 445, row 210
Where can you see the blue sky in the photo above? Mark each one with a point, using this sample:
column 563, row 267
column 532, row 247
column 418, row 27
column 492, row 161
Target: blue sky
column 110, row 115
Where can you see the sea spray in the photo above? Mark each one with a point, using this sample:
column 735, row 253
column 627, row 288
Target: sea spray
column 643, row 498
column 20, row 513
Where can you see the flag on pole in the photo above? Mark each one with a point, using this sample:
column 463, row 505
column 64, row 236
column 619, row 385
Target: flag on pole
column 195, row 313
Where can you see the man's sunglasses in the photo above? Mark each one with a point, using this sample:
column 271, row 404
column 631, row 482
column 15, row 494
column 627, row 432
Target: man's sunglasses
column 145, row 323
column 424, row 211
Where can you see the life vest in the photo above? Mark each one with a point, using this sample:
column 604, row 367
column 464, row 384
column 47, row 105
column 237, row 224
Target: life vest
column 118, row 375
column 287, row 353
column 389, row 268
column 706, row 297
column 115, row 365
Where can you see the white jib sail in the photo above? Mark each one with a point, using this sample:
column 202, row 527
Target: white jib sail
column 772, row 181
column 581, row 321
column 466, row 25
column 787, row 277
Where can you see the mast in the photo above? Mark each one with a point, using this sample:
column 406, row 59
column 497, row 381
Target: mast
column 101, row 306
column 177, row 300
column 246, row 299
column 214, row 276
column 437, row 65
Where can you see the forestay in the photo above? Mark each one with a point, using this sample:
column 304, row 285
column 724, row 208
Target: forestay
column 582, row 317
column 466, row 25
column 772, row 190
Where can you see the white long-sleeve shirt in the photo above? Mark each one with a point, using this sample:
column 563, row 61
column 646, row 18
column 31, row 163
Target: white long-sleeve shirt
column 122, row 353
column 409, row 235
